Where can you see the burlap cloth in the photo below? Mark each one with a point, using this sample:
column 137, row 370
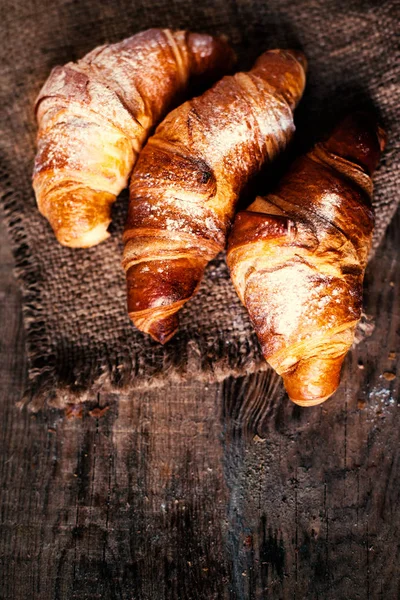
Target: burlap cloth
column 79, row 337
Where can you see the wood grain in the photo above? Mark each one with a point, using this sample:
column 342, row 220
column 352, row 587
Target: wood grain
column 200, row 492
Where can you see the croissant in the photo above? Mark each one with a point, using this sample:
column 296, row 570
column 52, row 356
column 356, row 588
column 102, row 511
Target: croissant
column 94, row 116
column 297, row 259
column 188, row 178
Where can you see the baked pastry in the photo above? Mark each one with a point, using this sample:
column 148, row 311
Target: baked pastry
column 188, row 178
column 94, row 116
column 297, row 258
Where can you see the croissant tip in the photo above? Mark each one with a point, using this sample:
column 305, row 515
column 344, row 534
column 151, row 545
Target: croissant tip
column 161, row 330
column 382, row 137
column 300, row 57
column 371, row 118
column 308, row 402
column 90, row 238
column 162, row 338
column 313, row 380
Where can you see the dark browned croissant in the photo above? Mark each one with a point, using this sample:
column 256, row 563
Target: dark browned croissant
column 187, row 180
column 297, row 259
column 94, row 116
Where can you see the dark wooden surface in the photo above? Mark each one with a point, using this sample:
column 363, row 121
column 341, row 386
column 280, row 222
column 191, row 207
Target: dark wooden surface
column 201, row 492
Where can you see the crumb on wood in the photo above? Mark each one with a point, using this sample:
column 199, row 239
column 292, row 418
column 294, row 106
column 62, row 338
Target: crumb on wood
column 392, row 356
column 99, row 412
column 248, row 541
column 389, row 376
column 74, row 411
column 361, row 404
column 258, row 440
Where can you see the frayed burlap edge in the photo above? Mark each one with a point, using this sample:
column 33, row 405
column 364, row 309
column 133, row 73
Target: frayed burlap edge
column 43, row 387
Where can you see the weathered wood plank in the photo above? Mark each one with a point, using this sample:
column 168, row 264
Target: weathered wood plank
column 317, row 490
column 202, row 492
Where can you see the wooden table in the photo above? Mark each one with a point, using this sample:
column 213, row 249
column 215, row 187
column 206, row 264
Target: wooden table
column 207, row 491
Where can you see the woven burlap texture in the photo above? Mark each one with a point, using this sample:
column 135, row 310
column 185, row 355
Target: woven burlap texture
column 79, row 337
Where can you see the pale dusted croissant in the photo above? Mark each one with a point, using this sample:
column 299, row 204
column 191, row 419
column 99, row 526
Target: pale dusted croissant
column 297, row 259
column 94, row 116
column 187, row 180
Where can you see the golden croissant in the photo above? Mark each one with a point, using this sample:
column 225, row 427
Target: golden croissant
column 95, row 115
column 188, row 178
column 297, row 259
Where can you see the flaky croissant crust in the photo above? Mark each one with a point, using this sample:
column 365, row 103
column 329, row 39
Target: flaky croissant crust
column 94, row 116
column 297, row 259
column 186, row 183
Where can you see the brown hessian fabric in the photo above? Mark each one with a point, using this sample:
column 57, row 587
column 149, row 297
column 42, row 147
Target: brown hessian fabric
column 79, row 337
